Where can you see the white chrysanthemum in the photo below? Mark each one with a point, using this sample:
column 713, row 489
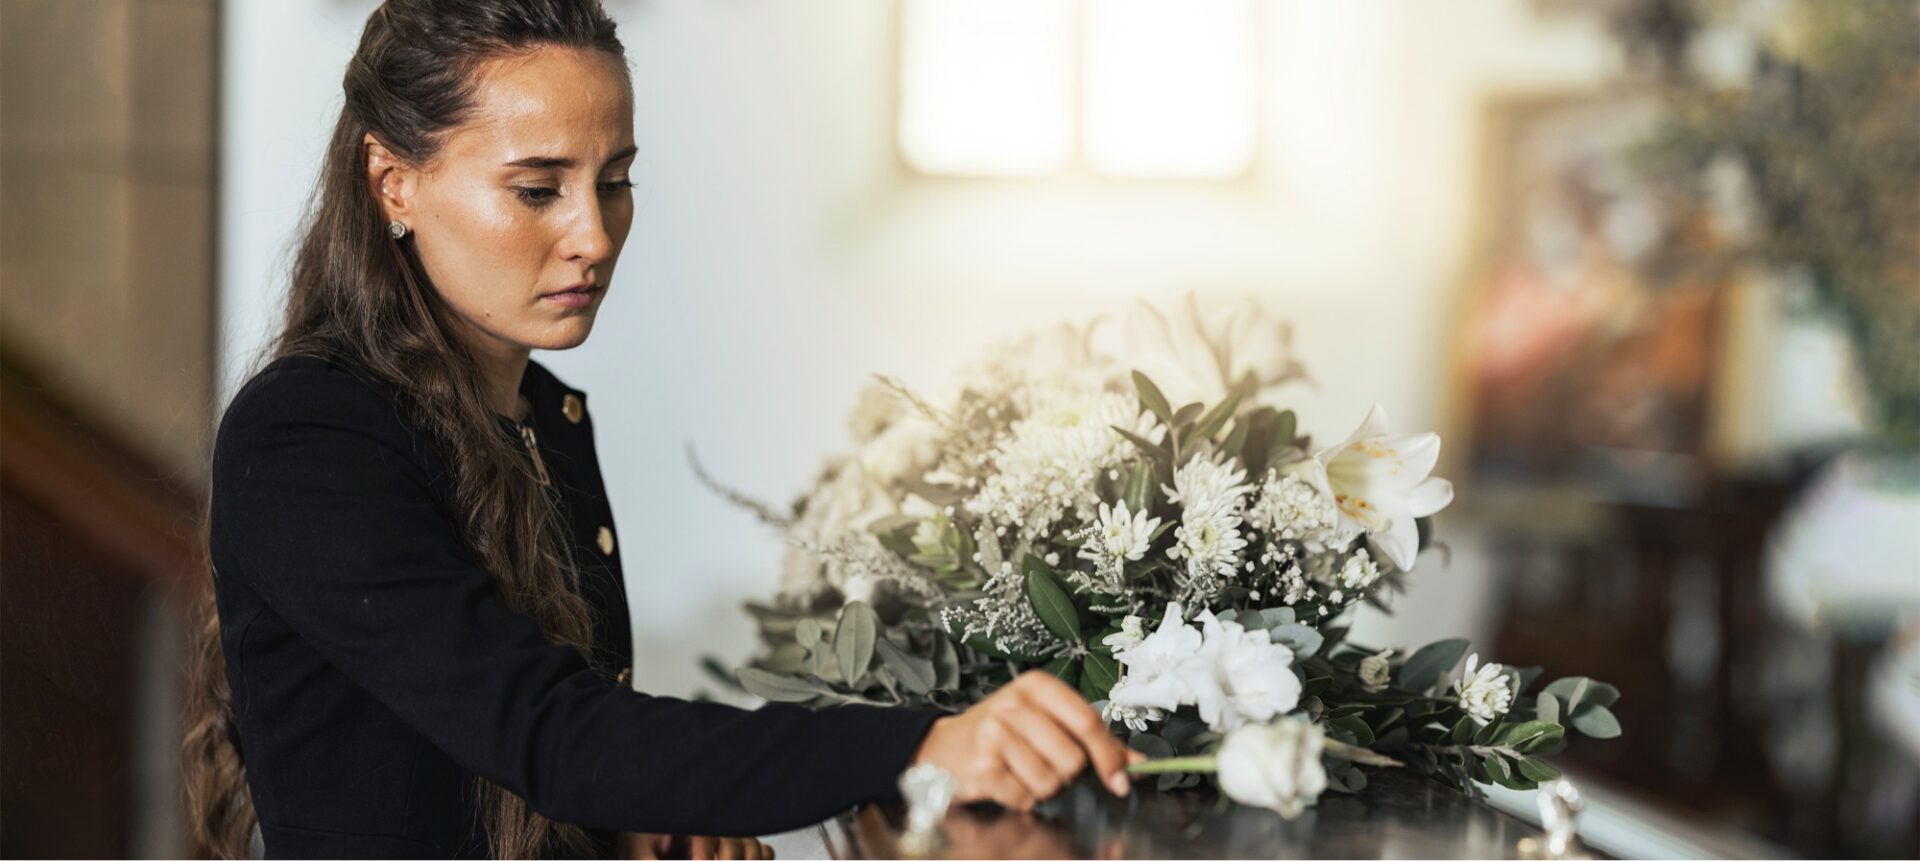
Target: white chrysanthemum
column 1205, row 483
column 1209, row 540
column 1294, row 504
column 1119, row 535
column 1050, row 463
column 1136, row 717
column 1485, row 694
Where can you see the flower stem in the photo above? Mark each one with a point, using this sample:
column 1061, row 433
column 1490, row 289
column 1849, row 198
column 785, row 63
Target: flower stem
column 1175, row 765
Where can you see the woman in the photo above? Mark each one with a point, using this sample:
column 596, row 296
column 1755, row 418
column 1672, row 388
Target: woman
column 421, row 626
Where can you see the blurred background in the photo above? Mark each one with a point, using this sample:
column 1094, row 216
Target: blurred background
column 1651, row 267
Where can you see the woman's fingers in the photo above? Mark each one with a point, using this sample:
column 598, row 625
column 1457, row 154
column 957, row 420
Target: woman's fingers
column 1079, row 719
column 1033, row 770
column 1063, row 753
column 1000, row 785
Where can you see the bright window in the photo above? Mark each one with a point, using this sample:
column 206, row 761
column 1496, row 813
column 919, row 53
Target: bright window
column 1134, row 88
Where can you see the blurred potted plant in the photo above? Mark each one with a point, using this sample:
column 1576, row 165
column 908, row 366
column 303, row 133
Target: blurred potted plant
column 1798, row 125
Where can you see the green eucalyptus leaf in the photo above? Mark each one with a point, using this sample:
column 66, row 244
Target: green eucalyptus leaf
column 1182, row 729
column 1304, row 641
column 1066, row 668
column 1547, row 707
column 1236, row 441
column 1151, row 745
column 1594, row 721
column 1216, row 418
column 946, row 663
column 777, row 688
column 1156, row 453
column 1576, row 691
column 1102, row 672
column 1519, row 734
column 1274, row 617
column 1536, row 770
column 913, row 671
column 1055, row 609
column 1424, row 669
column 853, row 640
column 1152, row 399
column 1463, row 730
column 825, row 664
column 808, row 633
column 1354, row 727
column 787, row 658
column 1187, row 414
column 1549, row 740
column 1140, row 487
column 1284, row 426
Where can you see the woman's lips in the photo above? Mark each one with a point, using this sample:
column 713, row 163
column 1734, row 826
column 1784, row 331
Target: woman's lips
column 576, row 298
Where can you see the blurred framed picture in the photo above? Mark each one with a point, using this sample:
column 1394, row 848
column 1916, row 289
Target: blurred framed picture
column 1575, row 364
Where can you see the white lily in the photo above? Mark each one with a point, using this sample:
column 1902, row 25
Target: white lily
column 1195, row 356
column 1381, row 482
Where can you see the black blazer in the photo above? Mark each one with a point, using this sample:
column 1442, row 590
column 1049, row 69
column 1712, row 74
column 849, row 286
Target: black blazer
column 376, row 669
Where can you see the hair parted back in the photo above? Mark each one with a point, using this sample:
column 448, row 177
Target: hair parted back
column 362, row 299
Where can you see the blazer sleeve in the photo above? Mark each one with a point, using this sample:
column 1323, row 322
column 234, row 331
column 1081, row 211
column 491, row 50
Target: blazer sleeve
column 322, row 505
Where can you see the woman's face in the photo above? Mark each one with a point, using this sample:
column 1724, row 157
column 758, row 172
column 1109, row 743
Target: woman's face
column 520, row 216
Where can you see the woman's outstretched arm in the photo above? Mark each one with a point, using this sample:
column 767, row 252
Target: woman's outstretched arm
column 322, row 506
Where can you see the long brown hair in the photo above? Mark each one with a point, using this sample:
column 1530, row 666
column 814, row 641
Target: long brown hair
column 362, row 299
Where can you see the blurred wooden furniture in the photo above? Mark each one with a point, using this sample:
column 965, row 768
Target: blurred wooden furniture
column 1729, row 713
column 94, row 545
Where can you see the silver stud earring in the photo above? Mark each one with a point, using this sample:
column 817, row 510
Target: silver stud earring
column 397, row 229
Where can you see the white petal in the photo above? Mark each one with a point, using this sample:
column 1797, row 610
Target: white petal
column 1399, row 542
column 1430, row 496
column 1374, row 425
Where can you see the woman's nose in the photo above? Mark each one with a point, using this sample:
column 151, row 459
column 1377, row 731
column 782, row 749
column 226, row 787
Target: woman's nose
column 588, row 238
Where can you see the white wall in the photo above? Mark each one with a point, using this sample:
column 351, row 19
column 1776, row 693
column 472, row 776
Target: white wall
column 779, row 254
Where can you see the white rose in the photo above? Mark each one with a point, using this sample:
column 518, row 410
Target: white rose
column 1276, row 766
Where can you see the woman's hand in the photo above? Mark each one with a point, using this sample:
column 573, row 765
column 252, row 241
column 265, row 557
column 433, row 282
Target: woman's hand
column 634, row 844
column 1024, row 743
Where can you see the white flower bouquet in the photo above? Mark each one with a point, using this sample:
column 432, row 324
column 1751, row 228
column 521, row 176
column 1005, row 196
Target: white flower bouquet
column 1144, row 521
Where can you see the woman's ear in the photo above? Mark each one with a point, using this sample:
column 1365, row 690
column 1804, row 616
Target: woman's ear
column 391, row 180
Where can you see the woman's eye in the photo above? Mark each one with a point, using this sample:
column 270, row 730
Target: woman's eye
column 615, row 186
column 536, row 195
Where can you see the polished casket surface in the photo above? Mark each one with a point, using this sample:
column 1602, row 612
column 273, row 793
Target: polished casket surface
column 1398, row 815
